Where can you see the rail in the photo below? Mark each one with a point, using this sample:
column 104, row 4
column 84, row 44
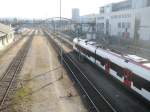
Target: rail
column 99, row 102
column 8, row 78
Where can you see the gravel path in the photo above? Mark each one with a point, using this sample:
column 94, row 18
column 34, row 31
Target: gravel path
column 46, row 86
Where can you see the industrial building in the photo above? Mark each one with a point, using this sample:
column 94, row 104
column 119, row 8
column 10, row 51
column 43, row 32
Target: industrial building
column 6, row 35
column 125, row 18
column 122, row 19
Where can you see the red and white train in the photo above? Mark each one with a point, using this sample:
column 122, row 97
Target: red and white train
column 131, row 70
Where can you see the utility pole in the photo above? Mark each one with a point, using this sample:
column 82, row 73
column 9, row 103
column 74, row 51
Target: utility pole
column 61, row 50
column 61, row 44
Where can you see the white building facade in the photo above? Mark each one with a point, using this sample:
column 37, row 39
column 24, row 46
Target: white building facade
column 123, row 18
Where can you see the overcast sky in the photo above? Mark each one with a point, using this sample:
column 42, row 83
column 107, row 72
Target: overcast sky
column 48, row 8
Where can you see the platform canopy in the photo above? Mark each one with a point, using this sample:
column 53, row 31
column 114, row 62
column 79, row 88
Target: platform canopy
column 5, row 29
column 2, row 34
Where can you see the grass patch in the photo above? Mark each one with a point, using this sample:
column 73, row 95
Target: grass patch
column 22, row 98
column 22, row 94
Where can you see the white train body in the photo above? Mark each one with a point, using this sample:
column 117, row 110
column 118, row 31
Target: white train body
column 131, row 70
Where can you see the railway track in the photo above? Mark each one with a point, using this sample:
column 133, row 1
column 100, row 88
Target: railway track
column 96, row 98
column 8, row 79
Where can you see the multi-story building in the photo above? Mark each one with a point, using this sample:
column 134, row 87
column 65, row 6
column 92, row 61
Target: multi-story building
column 124, row 18
column 75, row 13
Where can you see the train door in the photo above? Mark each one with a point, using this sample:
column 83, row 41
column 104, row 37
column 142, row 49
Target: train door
column 127, row 77
column 107, row 66
column 80, row 55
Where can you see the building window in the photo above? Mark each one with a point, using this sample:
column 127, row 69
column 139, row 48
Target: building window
column 128, row 25
column 119, row 25
column 123, row 25
column 119, row 33
column 119, row 16
column 100, row 18
column 100, row 27
column 127, row 15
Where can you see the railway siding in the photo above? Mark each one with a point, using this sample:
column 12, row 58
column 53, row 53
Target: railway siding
column 8, row 79
column 118, row 95
column 97, row 101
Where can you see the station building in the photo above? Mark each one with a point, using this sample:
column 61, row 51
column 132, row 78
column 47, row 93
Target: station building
column 123, row 19
column 6, row 35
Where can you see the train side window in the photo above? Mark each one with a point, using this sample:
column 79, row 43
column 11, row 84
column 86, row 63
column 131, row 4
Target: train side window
column 126, row 60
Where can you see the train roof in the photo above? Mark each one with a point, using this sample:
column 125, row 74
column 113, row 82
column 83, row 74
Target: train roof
column 134, row 58
column 137, row 58
column 140, row 60
column 147, row 64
